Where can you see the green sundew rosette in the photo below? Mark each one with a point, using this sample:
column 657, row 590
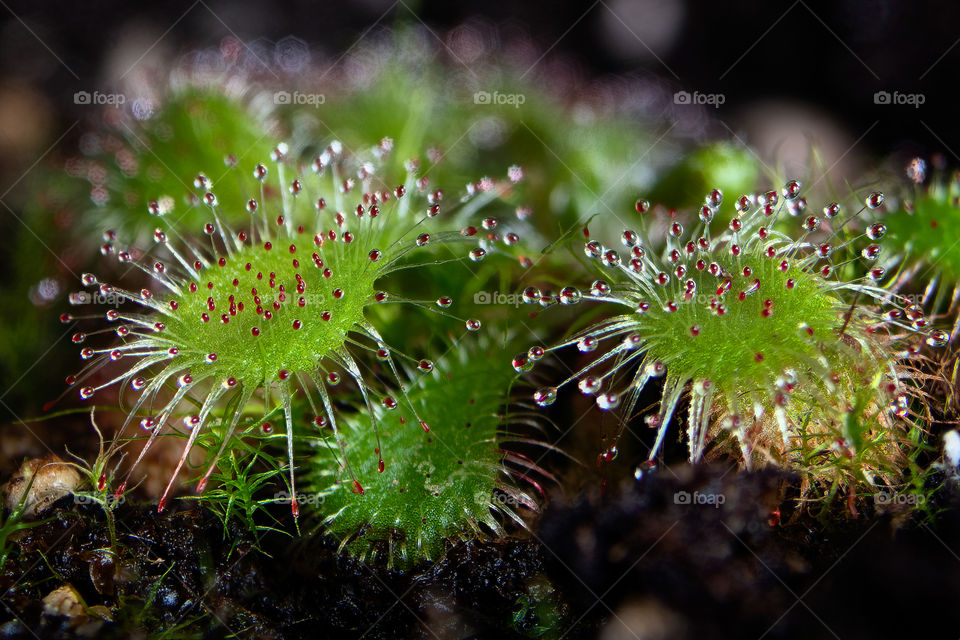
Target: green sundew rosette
column 436, row 486
column 924, row 227
column 731, row 169
column 577, row 154
column 195, row 130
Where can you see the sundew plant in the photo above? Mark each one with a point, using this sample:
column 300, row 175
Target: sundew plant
column 284, row 305
column 466, row 479
column 791, row 345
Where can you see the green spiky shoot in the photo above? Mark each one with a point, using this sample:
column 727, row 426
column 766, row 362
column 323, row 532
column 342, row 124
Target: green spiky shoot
column 132, row 158
column 285, row 304
column 923, row 227
column 763, row 328
column 460, row 481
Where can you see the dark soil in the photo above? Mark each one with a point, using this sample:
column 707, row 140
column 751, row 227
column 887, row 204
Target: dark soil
column 642, row 557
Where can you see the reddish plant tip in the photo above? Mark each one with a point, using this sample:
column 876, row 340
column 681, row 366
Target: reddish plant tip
column 357, row 488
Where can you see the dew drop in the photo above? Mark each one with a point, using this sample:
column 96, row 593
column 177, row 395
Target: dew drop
column 610, row 454
column 545, row 396
column 477, row 254
column 876, row 231
column 644, row 469
column 599, row 288
column 531, row 295
column 874, row 200
column 569, row 295
column 611, row 258
column 870, row 252
column 472, row 324
column 938, row 338
column 521, row 363
column 589, row 385
column 587, row 344
column 655, row 369
column 536, row 352
column 914, row 312
column 608, row 401
column 791, row 190
column 917, row 170
column 714, row 199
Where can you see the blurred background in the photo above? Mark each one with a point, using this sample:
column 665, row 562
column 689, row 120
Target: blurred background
column 825, row 60
column 845, row 87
